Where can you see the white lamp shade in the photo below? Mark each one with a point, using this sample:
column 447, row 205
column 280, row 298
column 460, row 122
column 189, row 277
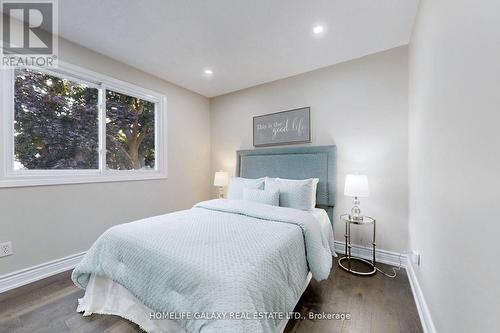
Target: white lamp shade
column 221, row 178
column 356, row 186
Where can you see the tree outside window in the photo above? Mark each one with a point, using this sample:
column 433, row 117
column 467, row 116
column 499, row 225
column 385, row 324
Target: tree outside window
column 56, row 125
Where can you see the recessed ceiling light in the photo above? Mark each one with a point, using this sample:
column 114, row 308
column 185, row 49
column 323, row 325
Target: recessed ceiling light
column 208, row 71
column 318, row 29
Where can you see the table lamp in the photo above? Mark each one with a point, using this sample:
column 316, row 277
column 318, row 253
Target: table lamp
column 356, row 186
column 221, row 179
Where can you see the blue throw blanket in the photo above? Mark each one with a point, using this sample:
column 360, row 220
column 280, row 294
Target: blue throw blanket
column 221, row 256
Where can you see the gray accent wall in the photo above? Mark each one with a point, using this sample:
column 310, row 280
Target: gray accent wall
column 360, row 106
column 50, row 222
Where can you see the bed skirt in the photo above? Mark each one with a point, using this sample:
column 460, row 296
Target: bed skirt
column 104, row 296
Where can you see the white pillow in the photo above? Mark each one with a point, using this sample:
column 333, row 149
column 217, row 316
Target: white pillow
column 315, row 190
column 299, row 194
column 237, row 184
column 267, row 197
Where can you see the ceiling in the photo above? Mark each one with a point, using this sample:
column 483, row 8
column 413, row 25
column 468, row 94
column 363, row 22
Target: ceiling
column 244, row 43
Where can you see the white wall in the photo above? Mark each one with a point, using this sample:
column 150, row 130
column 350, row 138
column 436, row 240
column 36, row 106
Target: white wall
column 49, row 222
column 454, row 161
column 360, row 106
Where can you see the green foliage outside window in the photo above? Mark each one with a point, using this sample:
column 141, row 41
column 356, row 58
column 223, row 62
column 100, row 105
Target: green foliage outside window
column 55, row 122
column 130, row 137
column 56, row 125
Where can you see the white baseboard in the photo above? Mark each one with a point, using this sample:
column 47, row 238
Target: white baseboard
column 423, row 309
column 35, row 273
column 392, row 258
column 383, row 256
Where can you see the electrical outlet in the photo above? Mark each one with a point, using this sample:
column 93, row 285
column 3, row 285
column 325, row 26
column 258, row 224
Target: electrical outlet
column 6, row 249
column 416, row 258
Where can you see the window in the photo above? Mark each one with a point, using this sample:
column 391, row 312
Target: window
column 130, row 132
column 74, row 126
column 55, row 123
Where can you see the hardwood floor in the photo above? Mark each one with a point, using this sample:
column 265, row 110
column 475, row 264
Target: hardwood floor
column 375, row 304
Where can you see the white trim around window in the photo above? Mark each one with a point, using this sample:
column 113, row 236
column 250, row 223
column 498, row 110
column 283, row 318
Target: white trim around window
column 16, row 178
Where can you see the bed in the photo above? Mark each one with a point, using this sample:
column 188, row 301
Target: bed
column 222, row 266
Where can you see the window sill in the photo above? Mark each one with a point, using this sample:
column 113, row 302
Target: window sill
column 29, row 181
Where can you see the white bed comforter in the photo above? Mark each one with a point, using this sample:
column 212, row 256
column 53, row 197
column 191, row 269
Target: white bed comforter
column 221, row 256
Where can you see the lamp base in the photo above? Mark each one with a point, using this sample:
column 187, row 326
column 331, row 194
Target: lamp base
column 355, row 211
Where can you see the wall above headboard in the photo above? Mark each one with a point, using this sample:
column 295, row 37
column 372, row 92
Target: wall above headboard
column 293, row 163
column 359, row 106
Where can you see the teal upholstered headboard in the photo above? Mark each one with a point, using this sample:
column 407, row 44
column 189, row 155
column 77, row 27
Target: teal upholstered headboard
column 293, row 163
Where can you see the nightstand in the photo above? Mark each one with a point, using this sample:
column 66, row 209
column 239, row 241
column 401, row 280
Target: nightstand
column 345, row 262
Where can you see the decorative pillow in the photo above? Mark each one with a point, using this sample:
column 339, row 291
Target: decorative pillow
column 267, row 197
column 315, row 190
column 299, row 194
column 237, row 184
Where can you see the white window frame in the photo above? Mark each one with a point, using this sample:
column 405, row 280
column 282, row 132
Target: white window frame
column 16, row 178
